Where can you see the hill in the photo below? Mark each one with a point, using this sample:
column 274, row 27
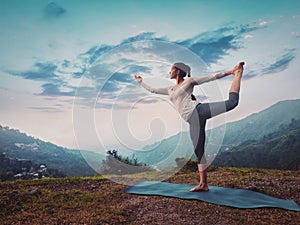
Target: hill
column 261, row 123
column 277, row 150
column 252, row 128
column 95, row 200
column 164, row 154
column 16, row 144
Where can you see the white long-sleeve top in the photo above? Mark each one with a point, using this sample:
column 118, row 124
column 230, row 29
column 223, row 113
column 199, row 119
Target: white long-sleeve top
column 180, row 96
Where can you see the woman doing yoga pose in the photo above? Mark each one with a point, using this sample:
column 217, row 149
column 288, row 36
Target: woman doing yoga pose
column 194, row 112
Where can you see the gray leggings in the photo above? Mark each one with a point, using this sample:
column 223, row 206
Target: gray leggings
column 198, row 119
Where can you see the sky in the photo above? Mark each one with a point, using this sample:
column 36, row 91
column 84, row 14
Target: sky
column 66, row 66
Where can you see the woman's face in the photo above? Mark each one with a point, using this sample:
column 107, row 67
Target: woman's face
column 173, row 73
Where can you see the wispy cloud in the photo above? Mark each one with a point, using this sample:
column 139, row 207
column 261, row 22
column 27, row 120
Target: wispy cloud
column 281, row 63
column 249, row 74
column 50, row 89
column 263, row 23
column 41, row 71
column 248, row 36
column 53, row 10
column 295, row 34
column 47, row 109
column 212, row 46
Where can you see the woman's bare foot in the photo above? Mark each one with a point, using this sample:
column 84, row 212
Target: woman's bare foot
column 236, row 83
column 200, row 187
column 238, row 69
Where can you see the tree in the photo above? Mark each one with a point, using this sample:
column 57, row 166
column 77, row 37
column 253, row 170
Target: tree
column 116, row 164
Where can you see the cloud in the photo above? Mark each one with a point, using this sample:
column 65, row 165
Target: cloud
column 94, row 53
column 248, row 36
column 121, row 77
column 109, row 86
column 281, row 63
column 53, row 10
column 41, row 71
column 145, row 36
column 50, row 89
column 249, row 74
column 295, row 34
column 212, row 46
column 47, row 109
column 212, row 51
column 263, row 23
column 109, row 68
column 133, row 69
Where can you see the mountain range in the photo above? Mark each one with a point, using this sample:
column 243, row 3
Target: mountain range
column 17, row 145
column 267, row 139
column 277, row 150
column 262, row 128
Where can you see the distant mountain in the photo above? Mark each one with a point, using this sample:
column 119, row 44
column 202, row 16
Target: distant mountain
column 70, row 162
column 260, row 124
column 251, row 128
column 277, row 150
column 258, row 134
column 162, row 155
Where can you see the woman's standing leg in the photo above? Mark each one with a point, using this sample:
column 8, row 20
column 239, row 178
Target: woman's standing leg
column 197, row 133
column 204, row 112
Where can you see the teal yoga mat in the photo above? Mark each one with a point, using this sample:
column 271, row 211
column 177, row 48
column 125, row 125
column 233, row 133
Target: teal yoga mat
column 238, row 198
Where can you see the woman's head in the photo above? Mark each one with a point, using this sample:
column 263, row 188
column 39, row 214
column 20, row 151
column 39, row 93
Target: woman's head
column 180, row 69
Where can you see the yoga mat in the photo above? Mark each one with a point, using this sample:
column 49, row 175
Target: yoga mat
column 238, row 198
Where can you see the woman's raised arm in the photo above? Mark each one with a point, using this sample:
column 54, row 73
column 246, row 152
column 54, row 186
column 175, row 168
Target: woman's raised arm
column 162, row 91
column 200, row 80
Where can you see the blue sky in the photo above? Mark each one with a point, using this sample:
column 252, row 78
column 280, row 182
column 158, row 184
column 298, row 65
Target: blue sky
column 66, row 66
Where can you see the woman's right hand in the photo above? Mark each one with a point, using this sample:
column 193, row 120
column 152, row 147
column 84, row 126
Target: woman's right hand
column 139, row 79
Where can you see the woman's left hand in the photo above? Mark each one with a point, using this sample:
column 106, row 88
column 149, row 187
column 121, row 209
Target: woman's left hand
column 139, row 79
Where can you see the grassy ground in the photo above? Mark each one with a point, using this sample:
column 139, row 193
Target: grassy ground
column 96, row 200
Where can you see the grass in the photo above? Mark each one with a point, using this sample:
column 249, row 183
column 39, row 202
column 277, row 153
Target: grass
column 69, row 200
column 97, row 200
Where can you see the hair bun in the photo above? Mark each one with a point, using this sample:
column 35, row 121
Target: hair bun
column 185, row 68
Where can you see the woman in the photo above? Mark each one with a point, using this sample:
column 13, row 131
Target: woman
column 196, row 113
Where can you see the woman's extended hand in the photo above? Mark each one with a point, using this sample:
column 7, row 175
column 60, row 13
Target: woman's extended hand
column 139, row 79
